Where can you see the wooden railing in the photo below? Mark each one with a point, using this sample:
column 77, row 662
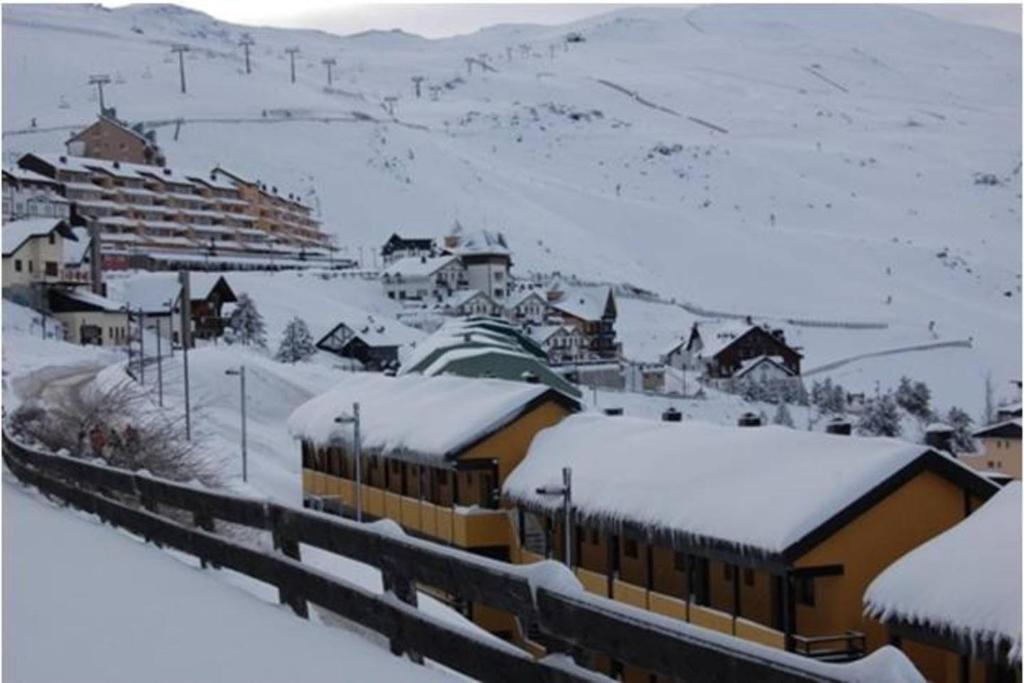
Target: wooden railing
column 574, row 621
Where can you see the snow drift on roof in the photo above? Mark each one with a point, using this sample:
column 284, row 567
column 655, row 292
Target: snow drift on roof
column 761, row 488
column 415, row 266
column 966, row 580
column 585, row 303
column 424, row 418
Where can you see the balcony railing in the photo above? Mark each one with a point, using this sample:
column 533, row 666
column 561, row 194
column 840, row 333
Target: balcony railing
column 843, row 647
column 458, row 526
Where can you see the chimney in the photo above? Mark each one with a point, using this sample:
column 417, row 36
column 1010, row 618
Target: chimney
column 167, row 171
column 529, row 377
column 423, row 259
column 671, row 415
column 613, row 412
column 939, row 436
column 117, row 164
column 63, row 159
column 839, row 426
column 749, row 420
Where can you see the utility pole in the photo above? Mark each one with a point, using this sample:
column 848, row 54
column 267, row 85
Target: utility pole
column 181, row 50
column 291, row 53
column 246, row 43
column 566, row 492
column 329, row 62
column 186, row 339
column 99, row 80
column 240, row 373
column 416, row 81
column 142, row 346
column 357, row 453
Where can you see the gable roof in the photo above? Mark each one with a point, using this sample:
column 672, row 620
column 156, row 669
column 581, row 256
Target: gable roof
column 428, row 419
column 1007, row 429
column 715, row 337
column 17, row 233
column 585, row 303
column 376, row 332
column 78, row 299
column 417, row 266
column 751, row 363
column 965, row 581
column 683, row 480
column 519, row 298
column 117, row 123
column 464, row 296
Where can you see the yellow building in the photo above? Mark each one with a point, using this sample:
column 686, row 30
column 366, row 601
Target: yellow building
column 766, row 533
column 435, row 452
column 1000, row 449
column 954, row 604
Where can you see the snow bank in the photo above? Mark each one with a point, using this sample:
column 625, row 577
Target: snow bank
column 155, row 614
column 431, row 417
column 966, row 580
column 688, row 477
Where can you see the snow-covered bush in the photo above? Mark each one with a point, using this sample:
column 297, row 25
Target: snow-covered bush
column 782, row 416
column 829, row 397
column 881, row 417
column 296, row 342
column 961, row 423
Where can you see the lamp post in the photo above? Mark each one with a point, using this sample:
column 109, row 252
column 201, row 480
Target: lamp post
column 357, row 448
column 240, row 373
column 566, row 492
column 159, row 364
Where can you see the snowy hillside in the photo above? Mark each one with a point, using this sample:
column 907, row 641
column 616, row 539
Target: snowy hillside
column 791, row 162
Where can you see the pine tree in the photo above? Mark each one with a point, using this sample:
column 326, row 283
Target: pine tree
column 961, row 423
column 296, row 342
column 782, row 416
column 246, row 323
column 829, row 397
column 915, row 398
column 881, row 417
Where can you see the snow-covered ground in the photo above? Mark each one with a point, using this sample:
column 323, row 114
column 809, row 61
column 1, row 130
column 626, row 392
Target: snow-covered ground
column 87, row 604
column 843, row 190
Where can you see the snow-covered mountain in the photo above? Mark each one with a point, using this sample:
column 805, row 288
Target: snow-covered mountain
column 846, row 163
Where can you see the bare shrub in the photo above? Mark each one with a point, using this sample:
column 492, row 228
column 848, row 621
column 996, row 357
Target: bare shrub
column 117, row 424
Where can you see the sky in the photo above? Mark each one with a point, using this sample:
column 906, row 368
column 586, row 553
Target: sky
column 440, row 20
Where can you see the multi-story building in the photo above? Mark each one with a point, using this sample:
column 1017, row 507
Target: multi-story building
column 149, row 216
column 40, row 252
column 592, row 311
column 424, row 278
column 486, row 259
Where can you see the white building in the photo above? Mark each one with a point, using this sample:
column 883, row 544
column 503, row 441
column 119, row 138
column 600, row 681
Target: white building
column 527, row 306
column 563, row 343
column 469, row 302
column 486, row 259
column 424, row 278
column 43, row 251
column 27, row 194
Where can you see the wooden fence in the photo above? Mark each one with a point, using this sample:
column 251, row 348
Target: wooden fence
column 574, row 622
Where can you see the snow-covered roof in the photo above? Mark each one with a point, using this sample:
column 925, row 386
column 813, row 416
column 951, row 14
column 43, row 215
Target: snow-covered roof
column 756, row 488
column 16, row 233
column 375, row 331
column 521, row 296
column 416, row 266
column 151, row 291
column 715, row 336
column 463, row 297
column 585, row 303
column 751, row 363
column 415, row 417
column 481, row 242
column 1004, row 428
column 90, row 299
column 966, row 581
column 541, row 333
column 75, row 250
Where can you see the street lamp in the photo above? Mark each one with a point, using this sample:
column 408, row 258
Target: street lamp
column 240, row 373
column 566, row 492
column 353, row 419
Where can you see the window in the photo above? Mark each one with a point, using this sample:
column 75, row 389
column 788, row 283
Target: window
column 991, row 464
column 679, row 562
column 17, row 265
column 805, row 591
column 629, row 548
column 53, row 238
column 51, row 268
column 748, row 577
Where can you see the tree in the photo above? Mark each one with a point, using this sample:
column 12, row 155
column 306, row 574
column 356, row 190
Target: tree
column 961, row 423
column 296, row 342
column 881, row 417
column 246, row 324
column 915, row 398
column 829, row 397
column 782, row 416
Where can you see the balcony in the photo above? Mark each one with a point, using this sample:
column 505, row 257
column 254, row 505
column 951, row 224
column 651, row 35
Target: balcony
column 458, row 526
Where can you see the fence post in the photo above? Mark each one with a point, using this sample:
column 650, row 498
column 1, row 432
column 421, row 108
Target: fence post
column 285, row 542
column 404, row 589
column 204, row 521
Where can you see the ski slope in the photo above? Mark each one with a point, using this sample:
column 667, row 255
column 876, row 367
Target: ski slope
column 843, row 188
